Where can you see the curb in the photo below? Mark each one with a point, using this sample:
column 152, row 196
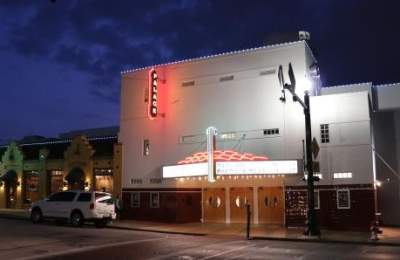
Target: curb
column 157, row 231
column 328, row 241
column 10, row 216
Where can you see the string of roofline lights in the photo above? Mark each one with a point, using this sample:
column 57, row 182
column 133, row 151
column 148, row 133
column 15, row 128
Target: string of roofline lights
column 68, row 141
column 213, row 56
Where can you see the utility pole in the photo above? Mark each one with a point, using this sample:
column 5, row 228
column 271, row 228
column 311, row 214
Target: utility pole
column 312, row 224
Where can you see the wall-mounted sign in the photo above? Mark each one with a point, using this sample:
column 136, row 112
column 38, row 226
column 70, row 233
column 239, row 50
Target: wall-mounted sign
column 153, row 92
column 284, row 167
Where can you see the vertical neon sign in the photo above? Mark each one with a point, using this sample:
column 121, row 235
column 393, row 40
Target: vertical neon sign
column 153, row 105
column 211, row 133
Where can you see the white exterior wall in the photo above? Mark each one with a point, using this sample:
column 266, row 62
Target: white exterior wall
column 349, row 149
column 246, row 105
column 388, row 96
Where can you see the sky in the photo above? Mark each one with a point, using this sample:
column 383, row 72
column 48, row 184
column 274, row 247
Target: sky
column 60, row 61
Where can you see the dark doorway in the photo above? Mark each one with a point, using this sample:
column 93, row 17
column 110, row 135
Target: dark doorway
column 10, row 182
column 75, row 179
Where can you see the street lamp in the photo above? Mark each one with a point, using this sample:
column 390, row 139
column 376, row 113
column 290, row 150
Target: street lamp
column 312, row 224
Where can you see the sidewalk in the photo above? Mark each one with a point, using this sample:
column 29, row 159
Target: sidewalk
column 390, row 236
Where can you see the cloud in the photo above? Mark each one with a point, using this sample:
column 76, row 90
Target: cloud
column 101, row 38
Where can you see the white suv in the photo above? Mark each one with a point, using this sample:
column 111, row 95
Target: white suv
column 75, row 206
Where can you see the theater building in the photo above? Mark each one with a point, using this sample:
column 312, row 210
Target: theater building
column 35, row 167
column 259, row 157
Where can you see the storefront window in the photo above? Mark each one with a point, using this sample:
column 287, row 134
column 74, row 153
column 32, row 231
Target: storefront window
column 31, row 186
column 154, row 200
column 135, row 200
column 56, row 181
column 104, row 180
column 343, row 199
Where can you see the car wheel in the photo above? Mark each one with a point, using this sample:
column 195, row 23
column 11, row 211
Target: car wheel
column 36, row 215
column 76, row 219
column 100, row 223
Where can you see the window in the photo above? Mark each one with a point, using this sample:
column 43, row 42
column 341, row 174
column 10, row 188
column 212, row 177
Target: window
column 135, row 200
column 266, row 201
column 146, row 147
column 136, row 181
column 154, row 200
column 324, row 129
column 155, row 180
column 267, row 72
column 272, row 131
column 342, row 175
column 99, row 195
column 316, row 199
column 214, row 201
column 188, row 83
column 63, row 196
column 241, row 202
column 343, row 199
column 226, row 78
column 85, row 197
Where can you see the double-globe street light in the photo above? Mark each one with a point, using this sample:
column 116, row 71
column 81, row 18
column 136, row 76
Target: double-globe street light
column 312, row 224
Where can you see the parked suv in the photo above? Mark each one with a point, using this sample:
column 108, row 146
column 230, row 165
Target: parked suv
column 76, row 207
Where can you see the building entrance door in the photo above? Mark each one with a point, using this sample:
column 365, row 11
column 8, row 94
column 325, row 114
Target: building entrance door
column 239, row 197
column 75, row 179
column 214, row 205
column 270, row 205
column 10, row 182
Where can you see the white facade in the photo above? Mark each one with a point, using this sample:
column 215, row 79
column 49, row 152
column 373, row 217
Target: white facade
column 243, row 106
column 238, row 93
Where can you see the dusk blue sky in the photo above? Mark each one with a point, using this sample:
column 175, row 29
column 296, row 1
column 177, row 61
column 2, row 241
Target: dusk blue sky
column 60, row 62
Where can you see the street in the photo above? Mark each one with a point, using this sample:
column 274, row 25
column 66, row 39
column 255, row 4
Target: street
column 22, row 240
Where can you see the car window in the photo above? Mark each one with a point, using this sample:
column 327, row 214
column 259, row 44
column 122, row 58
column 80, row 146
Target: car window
column 99, row 195
column 55, row 196
column 64, row 196
column 107, row 201
column 85, row 197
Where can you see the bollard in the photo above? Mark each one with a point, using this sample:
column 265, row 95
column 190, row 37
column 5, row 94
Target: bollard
column 248, row 212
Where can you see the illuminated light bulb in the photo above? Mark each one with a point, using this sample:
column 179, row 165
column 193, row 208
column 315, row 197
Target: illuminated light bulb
column 303, row 85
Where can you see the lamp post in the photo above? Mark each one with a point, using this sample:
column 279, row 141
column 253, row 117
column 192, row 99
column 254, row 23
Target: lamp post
column 312, row 224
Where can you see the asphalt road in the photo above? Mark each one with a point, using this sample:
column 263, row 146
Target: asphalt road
column 23, row 240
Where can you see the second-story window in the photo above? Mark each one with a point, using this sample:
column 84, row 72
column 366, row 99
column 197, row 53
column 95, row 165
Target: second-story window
column 324, row 130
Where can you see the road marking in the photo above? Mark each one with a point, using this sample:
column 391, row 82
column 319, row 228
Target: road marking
column 91, row 248
column 224, row 252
